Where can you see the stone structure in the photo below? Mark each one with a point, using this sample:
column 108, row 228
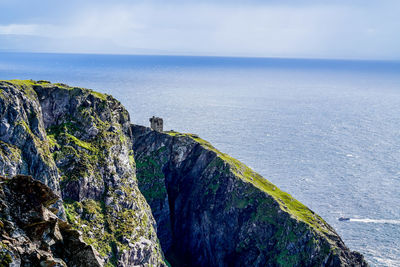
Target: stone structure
column 156, row 124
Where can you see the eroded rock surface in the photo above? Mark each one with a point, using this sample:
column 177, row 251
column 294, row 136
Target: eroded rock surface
column 78, row 142
column 212, row 210
column 23, row 142
column 31, row 234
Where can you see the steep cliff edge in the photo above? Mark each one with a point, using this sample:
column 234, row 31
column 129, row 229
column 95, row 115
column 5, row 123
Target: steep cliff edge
column 24, row 147
column 212, row 210
column 78, row 142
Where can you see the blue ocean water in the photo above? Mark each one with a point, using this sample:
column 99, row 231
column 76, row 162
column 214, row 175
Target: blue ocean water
column 326, row 131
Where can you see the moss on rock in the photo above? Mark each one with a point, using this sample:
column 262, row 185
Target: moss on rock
column 215, row 202
column 85, row 135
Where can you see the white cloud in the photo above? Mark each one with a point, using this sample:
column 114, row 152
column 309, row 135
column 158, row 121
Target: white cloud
column 338, row 30
column 22, row 29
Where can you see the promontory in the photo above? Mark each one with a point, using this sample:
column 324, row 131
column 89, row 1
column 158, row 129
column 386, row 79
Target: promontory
column 81, row 185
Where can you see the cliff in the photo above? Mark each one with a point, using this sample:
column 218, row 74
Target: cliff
column 136, row 195
column 78, row 142
column 212, row 210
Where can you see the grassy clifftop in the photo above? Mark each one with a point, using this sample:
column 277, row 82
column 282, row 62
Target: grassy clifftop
column 27, row 85
column 216, row 202
column 210, row 209
column 287, row 203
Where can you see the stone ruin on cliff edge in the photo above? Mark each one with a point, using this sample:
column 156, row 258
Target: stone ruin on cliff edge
column 156, row 124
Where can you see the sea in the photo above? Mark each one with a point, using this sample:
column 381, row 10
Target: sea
column 325, row 131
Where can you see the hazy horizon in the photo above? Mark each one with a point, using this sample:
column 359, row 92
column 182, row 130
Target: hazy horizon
column 361, row 30
column 205, row 56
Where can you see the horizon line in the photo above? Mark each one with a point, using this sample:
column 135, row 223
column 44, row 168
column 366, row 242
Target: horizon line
column 204, row 56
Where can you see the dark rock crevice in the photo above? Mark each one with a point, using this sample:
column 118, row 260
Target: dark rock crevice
column 210, row 209
column 31, row 234
column 219, row 219
column 78, row 142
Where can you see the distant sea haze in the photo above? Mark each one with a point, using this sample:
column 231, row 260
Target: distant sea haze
column 326, row 131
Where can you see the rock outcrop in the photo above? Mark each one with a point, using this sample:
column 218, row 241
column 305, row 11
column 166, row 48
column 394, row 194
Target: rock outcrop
column 116, row 180
column 24, row 148
column 78, row 142
column 31, row 234
column 212, row 210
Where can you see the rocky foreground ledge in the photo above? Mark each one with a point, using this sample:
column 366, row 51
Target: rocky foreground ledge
column 31, row 234
column 137, row 196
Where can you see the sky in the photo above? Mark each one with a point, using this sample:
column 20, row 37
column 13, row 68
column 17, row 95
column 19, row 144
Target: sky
column 341, row 29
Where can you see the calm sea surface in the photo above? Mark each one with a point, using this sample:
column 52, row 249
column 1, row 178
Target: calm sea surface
column 327, row 132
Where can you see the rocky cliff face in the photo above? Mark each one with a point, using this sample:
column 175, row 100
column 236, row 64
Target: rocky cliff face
column 212, row 210
column 31, row 234
column 24, row 147
column 78, row 142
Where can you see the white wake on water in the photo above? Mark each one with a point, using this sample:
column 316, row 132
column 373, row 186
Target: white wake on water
column 375, row 221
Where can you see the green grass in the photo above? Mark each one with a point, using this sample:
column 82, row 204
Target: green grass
column 42, row 146
column 92, row 228
column 52, row 140
column 285, row 200
column 83, row 144
column 5, row 258
column 102, row 226
column 21, row 82
column 99, row 95
column 68, row 129
column 28, row 84
column 151, row 178
column 9, row 151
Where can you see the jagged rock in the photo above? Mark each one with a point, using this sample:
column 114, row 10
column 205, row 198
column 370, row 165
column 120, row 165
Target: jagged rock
column 86, row 136
column 99, row 170
column 212, row 210
column 23, row 144
column 31, row 235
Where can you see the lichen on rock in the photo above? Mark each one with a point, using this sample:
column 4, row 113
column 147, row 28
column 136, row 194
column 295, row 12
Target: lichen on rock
column 117, row 180
column 24, row 147
column 83, row 140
